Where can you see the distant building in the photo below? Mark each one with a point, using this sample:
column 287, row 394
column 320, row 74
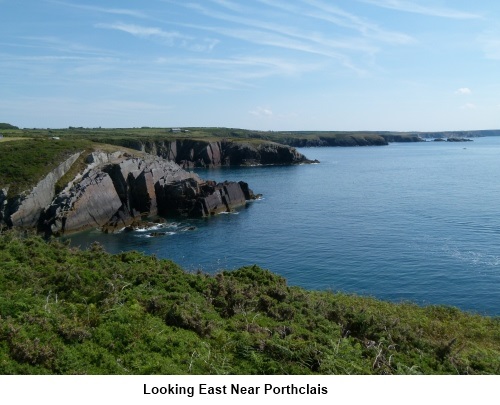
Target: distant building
column 175, row 130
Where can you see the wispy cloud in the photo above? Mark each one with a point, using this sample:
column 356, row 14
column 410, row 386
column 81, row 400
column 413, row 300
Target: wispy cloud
column 230, row 5
column 258, row 31
column 307, row 36
column 335, row 15
column 170, row 38
column 244, row 67
column 468, row 106
column 115, row 11
column 205, row 45
column 59, row 45
column 434, row 11
column 463, row 91
column 144, row 32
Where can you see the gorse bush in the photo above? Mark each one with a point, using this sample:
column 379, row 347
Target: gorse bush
column 25, row 162
column 68, row 311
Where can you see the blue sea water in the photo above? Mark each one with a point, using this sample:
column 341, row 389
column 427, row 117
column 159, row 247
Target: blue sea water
column 406, row 222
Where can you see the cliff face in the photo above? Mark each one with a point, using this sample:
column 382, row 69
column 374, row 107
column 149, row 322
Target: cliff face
column 23, row 211
column 199, row 153
column 402, row 138
column 349, row 139
column 340, row 140
column 116, row 190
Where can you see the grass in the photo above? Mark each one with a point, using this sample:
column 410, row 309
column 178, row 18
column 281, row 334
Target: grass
column 24, row 163
column 106, row 135
column 68, row 311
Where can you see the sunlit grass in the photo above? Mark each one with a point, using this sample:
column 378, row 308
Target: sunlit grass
column 66, row 311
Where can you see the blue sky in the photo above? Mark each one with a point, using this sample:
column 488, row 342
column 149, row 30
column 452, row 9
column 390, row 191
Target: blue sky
column 259, row 64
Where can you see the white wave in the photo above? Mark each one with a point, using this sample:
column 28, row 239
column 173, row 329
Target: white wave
column 152, row 235
column 187, row 229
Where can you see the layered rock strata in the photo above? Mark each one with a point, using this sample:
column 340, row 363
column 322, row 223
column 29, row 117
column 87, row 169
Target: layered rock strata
column 199, row 153
column 24, row 210
column 116, row 190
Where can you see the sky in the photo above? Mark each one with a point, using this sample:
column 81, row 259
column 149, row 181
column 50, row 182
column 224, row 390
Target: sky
column 346, row 65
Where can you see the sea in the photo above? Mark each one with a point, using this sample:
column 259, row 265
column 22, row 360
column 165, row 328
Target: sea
column 415, row 222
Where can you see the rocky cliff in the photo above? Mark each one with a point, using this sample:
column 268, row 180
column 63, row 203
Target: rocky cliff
column 201, row 153
column 115, row 190
column 24, row 210
column 348, row 139
column 402, row 138
column 338, row 140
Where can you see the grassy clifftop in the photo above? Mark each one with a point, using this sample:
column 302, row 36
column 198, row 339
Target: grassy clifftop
column 66, row 311
column 205, row 133
column 24, row 162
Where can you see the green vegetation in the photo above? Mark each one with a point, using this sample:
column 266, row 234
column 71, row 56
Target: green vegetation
column 67, row 311
column 24, row 163
column 217, row 133
column 119, row 135
column 4, row 125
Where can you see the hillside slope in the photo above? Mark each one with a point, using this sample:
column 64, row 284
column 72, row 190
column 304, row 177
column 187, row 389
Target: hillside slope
column 66, row 311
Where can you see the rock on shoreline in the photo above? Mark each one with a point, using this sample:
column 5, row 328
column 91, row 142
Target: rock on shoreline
column 114, row 191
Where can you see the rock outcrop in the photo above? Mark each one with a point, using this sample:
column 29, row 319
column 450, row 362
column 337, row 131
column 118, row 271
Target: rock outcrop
column 190, row 153
column 317, row 139
column 339, row 140
column 3, row 204
column 117, row 190
column 24, row 210
column 456, row 139
column 196, row 199
column 402, row 138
